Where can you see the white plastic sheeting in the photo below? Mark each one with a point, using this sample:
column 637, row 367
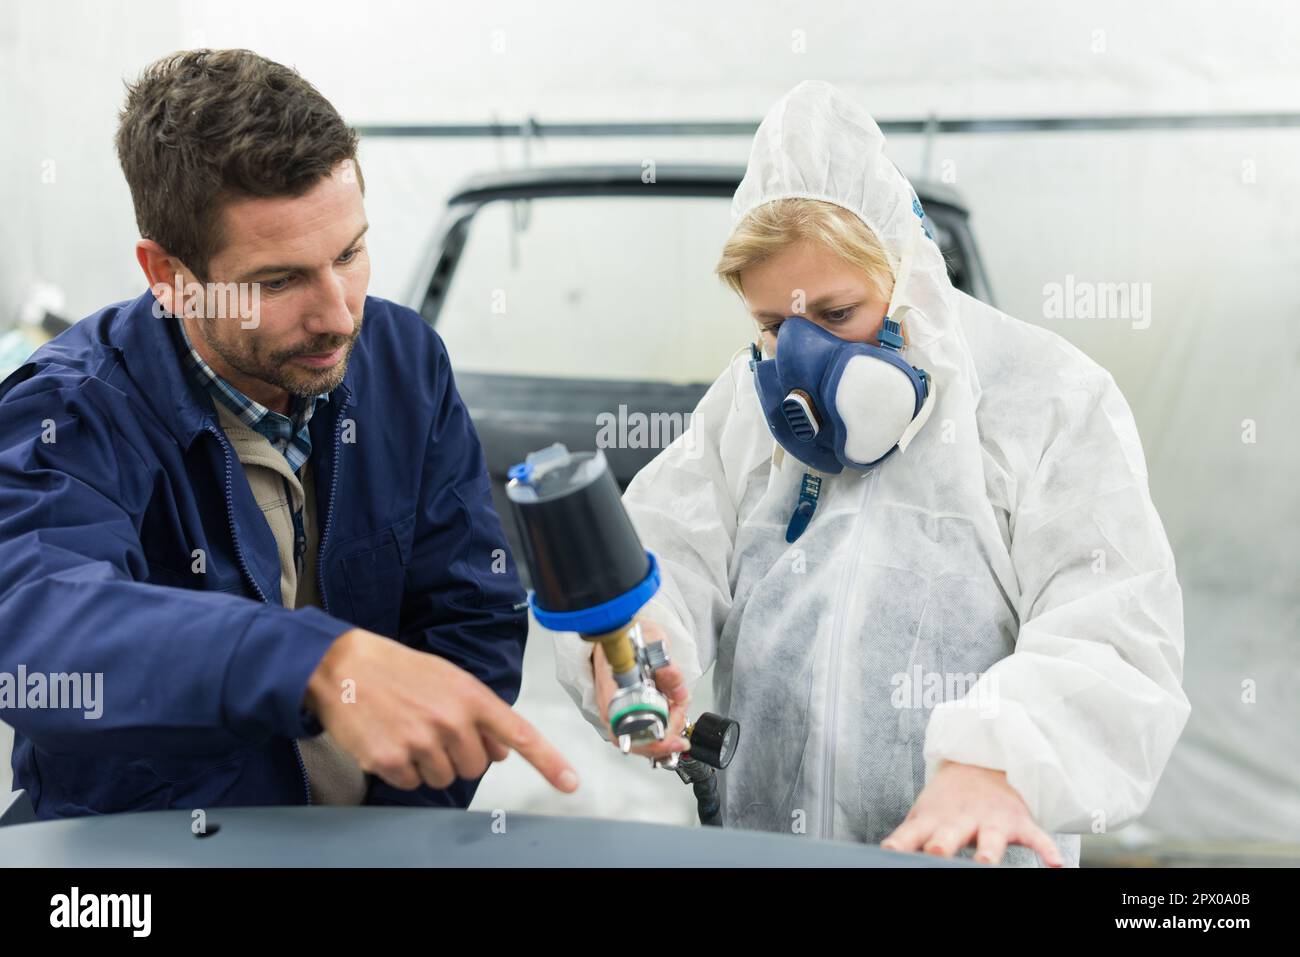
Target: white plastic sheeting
column 1203, row 222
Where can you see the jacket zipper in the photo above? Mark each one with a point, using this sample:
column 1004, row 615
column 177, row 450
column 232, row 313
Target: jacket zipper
column 320, row 551
column 239, row 554
column 329, row 515
column 837, row 633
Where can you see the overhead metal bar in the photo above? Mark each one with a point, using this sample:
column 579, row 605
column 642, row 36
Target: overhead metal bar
column 533, row 129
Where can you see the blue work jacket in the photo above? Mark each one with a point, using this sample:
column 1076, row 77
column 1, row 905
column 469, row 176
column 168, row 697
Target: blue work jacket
column 131, row 547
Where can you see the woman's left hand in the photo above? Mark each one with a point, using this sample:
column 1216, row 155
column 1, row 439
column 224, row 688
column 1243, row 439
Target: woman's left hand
column 964, row 804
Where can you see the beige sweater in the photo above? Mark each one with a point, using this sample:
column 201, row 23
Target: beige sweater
column 335, row 776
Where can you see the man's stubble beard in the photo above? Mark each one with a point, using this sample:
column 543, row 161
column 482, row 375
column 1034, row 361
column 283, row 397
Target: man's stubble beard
column 277, row 369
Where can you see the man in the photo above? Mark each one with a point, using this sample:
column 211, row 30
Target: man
column 268, row 529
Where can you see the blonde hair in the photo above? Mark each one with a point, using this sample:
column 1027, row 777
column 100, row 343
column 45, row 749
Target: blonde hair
column 774, row 226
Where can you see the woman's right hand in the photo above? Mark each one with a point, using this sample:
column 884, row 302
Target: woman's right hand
column 668, row 680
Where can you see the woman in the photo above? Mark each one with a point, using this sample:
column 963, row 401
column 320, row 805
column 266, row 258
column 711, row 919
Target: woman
column 939, row 602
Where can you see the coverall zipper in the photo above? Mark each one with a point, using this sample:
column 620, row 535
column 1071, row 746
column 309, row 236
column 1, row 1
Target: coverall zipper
column 837, row 633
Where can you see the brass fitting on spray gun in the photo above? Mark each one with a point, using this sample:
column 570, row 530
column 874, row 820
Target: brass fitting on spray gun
column 591, row 575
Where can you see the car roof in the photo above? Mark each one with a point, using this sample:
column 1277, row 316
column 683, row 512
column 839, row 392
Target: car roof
column 698, row 178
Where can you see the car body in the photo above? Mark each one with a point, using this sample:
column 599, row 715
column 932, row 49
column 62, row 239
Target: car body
column 579, row 304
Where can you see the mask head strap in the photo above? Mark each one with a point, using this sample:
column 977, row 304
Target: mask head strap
column 904, row 269
column 914, row 426
column 896, row 310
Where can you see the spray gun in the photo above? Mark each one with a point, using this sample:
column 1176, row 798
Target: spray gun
column 590, row 575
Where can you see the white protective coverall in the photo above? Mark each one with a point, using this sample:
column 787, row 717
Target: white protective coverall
column 1000, row 593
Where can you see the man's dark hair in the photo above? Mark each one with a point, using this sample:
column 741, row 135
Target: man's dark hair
column 202, row 127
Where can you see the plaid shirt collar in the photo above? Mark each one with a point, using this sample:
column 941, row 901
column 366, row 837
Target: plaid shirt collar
column 289, row 436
